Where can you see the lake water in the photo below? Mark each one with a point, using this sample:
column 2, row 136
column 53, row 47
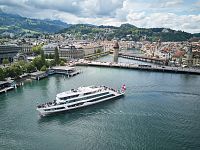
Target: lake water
column 159, row 111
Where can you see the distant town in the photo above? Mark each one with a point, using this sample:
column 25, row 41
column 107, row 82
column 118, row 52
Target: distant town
column 185, row 54
column 37, row 52
column 35, row 57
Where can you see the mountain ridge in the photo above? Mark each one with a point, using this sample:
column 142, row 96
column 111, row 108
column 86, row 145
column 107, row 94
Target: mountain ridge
column 128, row 32
column 18, row 25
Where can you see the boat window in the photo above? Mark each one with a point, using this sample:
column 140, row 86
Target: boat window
column 61, row 103
column 88, row 97
column 59, row 108
column 78, row 104
column 63, row 98
column 87, row 93
column 68, row 97
column 54, row 108
column 101, row 98
column 47, row 109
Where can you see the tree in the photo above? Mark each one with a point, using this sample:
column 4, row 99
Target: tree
column 42, row 57
column 37, row 62
column 51, row 56
column 2, row 74
column 18, row 71
column 98, row 51
column 47, row 64
column 30, row 67
column 44, row 68
column 5, row 61
column 46, row 56
column 52, row 63
column 22, row 65
column 56, row 57
column 37, row 49
column 13, row 71
column 62, row 63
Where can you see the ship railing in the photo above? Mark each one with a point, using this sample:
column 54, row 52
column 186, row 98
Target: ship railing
column 48, row 104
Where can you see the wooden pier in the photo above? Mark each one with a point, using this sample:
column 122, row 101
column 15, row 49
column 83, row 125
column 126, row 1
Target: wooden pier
column 155, row 68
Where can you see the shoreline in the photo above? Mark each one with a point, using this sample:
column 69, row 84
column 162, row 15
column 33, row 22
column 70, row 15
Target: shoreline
column 140, row 67
column 152, row 68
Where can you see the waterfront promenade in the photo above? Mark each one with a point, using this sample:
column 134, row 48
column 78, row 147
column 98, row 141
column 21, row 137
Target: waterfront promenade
column 155, row 68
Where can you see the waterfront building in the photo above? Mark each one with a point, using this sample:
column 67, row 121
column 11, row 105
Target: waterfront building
column 66, row 52
column 26, row 48
column 196, row 59
column 71, row 52
column 192, row 56
column 178, row 57
column 88, row 50
column 196, row 54
column 108, row 45
column 38, row 75
column 49, row 48
column 8, row 52
column 69, row 71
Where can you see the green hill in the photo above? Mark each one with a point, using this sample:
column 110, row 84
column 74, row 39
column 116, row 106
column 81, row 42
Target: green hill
column 127, row 32
column 18, row 25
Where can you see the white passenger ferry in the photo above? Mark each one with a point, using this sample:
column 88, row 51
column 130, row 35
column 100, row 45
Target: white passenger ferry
column 76, row 98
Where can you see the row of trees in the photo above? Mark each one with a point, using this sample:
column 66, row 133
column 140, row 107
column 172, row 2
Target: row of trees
column 16, row 69
column 38, row 63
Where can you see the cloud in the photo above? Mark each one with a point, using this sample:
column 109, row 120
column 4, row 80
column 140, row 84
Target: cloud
column 101, row 8
column 175, row 14
column 173, row 3
column 197, row 3
column 70, row 6
column 13, row 3
column 189, row 23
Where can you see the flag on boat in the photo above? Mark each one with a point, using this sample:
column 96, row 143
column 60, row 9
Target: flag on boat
column 123, row 87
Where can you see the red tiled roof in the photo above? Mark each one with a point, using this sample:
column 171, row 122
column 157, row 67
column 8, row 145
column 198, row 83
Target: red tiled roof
column 179, row 53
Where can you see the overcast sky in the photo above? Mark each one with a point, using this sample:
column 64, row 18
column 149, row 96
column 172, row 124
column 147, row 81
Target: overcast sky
column 176, row 14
